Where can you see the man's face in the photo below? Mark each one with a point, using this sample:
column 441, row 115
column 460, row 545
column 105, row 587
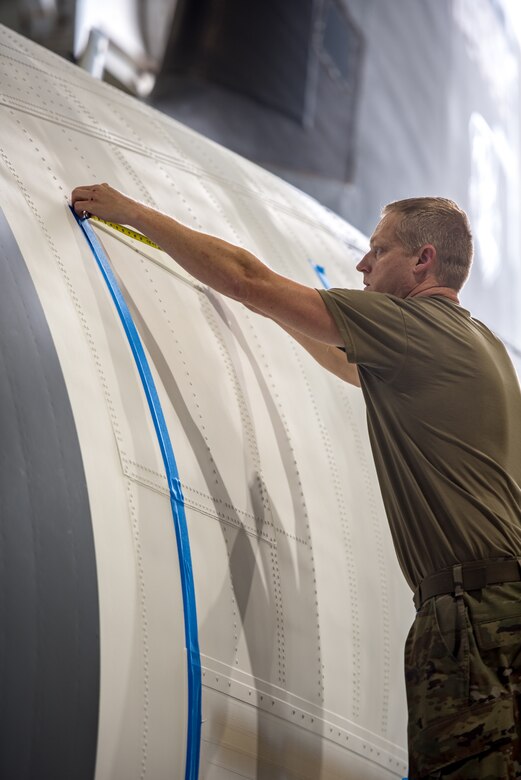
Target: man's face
column 388, row 266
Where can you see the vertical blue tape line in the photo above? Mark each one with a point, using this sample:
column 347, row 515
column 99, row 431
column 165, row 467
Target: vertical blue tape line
column 176, row 501
column 321, row 273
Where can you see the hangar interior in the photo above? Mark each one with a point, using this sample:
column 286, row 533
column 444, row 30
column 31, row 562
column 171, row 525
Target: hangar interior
column 356, row 102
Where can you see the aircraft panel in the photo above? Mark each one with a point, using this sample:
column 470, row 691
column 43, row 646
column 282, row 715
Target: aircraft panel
column 298, row 592
column 143, row 674
column 49, row 644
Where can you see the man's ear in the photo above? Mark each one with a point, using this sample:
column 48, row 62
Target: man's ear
column 426, row 258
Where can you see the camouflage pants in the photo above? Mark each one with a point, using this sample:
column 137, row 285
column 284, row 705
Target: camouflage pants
column 463, row 680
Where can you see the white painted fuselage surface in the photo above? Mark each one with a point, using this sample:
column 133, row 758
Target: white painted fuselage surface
column 302, row 611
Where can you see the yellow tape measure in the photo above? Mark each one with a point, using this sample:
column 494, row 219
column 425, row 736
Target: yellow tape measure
column 127, row 232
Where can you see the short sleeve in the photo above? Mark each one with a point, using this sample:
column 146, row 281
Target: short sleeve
column 372, row 326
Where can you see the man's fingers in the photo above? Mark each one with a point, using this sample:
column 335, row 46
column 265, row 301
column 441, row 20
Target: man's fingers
column 81, row 193
column 86, row 192
column 82, row 206
column 100, row 200
column 83, row 198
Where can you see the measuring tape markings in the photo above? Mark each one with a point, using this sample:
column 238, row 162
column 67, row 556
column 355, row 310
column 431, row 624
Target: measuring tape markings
column 127, row 232
column 193, row 284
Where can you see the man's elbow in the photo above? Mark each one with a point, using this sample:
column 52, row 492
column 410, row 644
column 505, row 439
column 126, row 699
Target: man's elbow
column 248, row 276
column 252, row 287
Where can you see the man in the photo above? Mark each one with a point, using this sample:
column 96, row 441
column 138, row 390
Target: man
column 444, row 416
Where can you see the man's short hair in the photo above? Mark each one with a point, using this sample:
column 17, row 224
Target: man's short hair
column 440, row 222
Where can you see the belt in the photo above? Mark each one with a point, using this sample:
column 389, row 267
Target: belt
column 473, row 575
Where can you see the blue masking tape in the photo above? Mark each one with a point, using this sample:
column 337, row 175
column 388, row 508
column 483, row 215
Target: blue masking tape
column 321, row 273
column 176, row 501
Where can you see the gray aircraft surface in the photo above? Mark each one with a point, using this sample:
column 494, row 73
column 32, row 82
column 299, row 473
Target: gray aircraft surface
column 196, row 574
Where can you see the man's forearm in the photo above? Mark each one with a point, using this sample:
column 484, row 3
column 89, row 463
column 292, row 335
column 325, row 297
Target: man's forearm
column 226, row 268
column 197, row 253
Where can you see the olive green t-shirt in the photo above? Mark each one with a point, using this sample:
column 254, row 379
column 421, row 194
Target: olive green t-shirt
column 444, row 416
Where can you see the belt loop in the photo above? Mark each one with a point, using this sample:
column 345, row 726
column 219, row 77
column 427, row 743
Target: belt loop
column 457, row 578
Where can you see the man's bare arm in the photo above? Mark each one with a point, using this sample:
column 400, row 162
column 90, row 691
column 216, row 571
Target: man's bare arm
column 226, row 268
column 329, row 357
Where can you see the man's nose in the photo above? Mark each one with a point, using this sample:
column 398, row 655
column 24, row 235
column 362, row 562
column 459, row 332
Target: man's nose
column 363, row 264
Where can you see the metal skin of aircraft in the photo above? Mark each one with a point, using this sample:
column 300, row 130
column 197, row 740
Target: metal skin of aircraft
column 196, row 573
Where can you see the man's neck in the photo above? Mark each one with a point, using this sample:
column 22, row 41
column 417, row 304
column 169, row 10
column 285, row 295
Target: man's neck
column 428, row 289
